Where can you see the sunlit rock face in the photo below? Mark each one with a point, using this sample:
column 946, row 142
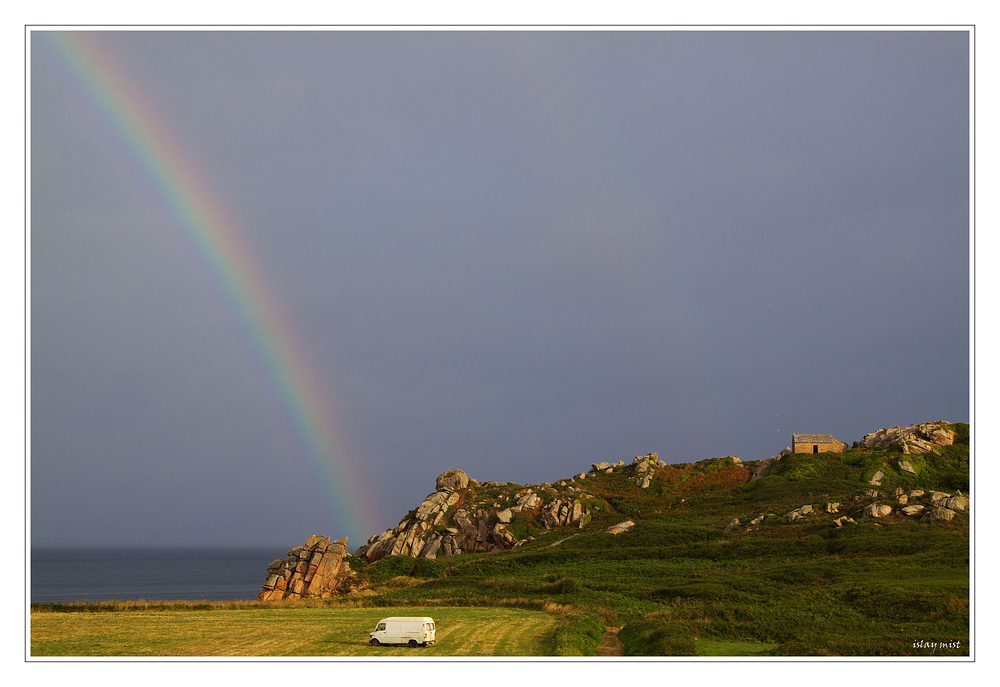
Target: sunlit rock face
column 914, row 439
column 316, row 569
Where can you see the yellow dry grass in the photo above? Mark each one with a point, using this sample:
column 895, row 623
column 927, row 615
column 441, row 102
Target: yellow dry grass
column 270, row 630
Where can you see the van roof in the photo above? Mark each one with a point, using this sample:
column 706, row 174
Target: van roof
column 423, row 619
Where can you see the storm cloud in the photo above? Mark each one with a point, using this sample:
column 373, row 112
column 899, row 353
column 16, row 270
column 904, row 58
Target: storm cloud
column 514, row 253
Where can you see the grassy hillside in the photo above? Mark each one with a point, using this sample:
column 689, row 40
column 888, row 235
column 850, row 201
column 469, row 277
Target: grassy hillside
column 678, row 584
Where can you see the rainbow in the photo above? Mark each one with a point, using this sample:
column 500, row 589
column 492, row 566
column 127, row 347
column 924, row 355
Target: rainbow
column 210, row 228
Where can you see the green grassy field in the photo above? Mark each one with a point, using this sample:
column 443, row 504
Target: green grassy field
column 269, row 630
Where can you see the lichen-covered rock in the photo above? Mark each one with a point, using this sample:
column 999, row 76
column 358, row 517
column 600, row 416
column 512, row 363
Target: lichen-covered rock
column 939, row 497
column 561, row 512
column 798, row 513
column 450, row 480
column 941, row 514
column 876, row 510
column 431, row 548
column 435, row 506
column 527, row 502
column 912, row 510
column 626, row 526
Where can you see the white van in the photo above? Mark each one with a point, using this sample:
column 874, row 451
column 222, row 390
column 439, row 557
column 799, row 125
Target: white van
column 412, row 631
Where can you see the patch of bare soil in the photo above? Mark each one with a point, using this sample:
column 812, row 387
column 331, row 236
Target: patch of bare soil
column 612, row 645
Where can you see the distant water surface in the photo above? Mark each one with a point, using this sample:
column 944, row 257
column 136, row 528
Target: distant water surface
column 153, row 574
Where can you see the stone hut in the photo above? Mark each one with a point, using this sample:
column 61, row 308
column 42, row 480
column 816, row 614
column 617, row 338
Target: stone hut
column 816, row 443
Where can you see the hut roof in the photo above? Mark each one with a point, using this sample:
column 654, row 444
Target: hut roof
column 813, row 438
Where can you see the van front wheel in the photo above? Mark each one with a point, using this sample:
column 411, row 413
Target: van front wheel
column 374, row 642
column 413, row 644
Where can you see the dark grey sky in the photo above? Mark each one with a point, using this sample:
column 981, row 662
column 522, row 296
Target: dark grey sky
column 516, row 253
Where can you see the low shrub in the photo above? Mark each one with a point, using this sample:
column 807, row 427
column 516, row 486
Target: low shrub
column 961, row 430
column 655, row 635
column 579, row 635
column 711, row 591
column 562, row 585
column 396, row 566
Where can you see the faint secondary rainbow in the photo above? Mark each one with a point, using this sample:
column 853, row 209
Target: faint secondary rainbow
column 214, row 235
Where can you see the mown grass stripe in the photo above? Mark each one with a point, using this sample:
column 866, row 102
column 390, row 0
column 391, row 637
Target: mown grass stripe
column 286, row 632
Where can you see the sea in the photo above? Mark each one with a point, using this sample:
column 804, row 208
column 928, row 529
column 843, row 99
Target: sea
column 59, row 575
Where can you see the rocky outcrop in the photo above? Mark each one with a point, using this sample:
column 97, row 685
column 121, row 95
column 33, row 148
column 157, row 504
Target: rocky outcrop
column 465, row 516
column 942, row 506
column 914, row 439
column 315, row 569
column 451, row 521
column 563, row 512
column 646, row 463
column 526, row 502
column 450, row 480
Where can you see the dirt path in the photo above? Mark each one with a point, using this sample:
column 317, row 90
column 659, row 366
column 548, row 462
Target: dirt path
column 612, row 645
